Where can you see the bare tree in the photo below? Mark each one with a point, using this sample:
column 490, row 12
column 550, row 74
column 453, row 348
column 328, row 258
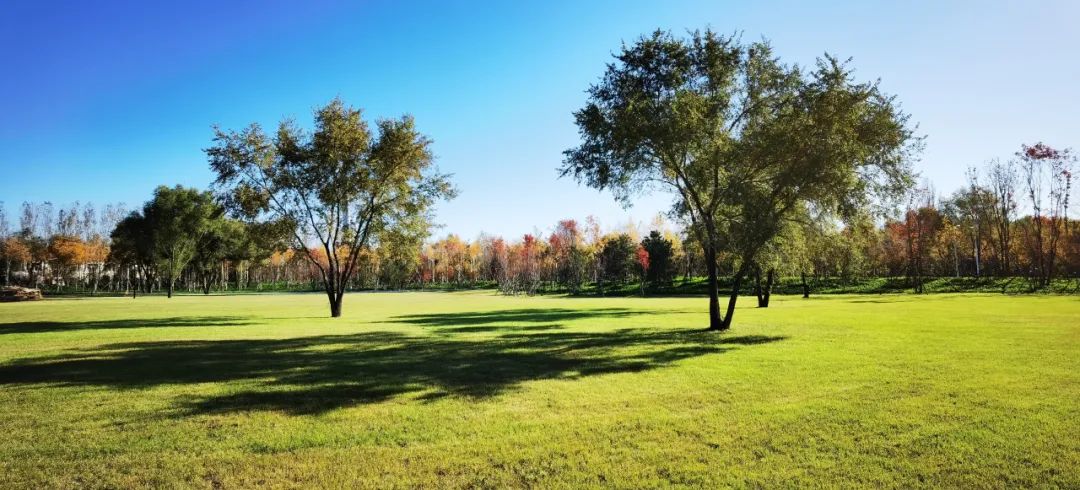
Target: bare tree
column 1002, row 177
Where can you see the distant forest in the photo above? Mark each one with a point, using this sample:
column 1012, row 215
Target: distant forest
column 974, row 232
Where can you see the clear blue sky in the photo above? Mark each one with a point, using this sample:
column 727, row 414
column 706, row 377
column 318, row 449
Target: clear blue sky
column 102, row 102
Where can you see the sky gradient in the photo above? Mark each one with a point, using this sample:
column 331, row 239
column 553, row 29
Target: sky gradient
column 103, row 102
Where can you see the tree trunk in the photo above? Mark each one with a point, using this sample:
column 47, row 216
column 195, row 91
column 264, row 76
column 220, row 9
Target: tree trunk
column 805, row 286
column 335, row 303
column 733, row 297
column 715, row 321
column 978, row 257
column 758, row 292
column 767, row 293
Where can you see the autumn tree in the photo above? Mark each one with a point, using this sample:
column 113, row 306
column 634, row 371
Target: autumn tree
column 641, row 260
column 96, row 255
column 921, row 226
column 5, row 233
column 339, row 185
column 67, row 253
column 1048, row 178
column 741, row 138
column 572, row 257
column 14, row 251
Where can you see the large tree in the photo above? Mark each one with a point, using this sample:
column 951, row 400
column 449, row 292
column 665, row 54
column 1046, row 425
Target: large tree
column 338, row 185
column 742, row 139
column 167, row 234
column 660, row 253
column 179, row 218
column 133, row 248
column 220, row 240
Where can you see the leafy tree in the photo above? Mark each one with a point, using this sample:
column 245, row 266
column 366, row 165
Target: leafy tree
column 15, row 251
column 397, row 254
column 660, row 254
column 66, row 252
column 785, row 253
column 133, row 248
column 617, row 259
column 970, row 210
column 219, row 240
column 741, row 138
column 178, row 219
column 166, row 235
column 97, row 252
column 260, row 241
column 339, row 184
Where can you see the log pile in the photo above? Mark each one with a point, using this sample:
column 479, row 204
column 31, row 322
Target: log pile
column 16, row 293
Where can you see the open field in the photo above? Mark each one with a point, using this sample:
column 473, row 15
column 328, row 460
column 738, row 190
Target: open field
column 479, row 390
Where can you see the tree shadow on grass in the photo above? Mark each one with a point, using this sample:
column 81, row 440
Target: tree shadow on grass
column 524, row 315
column 312, row 375
column 501, row 328
column 188, row 321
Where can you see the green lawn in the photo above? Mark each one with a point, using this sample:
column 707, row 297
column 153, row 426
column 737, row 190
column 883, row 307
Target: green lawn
column 479, row 390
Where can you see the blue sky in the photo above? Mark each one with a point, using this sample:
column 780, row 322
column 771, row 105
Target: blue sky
column 103, row 101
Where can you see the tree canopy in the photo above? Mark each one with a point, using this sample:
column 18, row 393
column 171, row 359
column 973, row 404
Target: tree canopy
column 744, row 140
column 340, row 185
column 168, row 233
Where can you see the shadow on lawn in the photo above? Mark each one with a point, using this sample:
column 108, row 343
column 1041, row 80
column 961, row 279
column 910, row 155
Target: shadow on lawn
column 524, row 315
column 189, row 321
column 503, row 320
column 314, row 374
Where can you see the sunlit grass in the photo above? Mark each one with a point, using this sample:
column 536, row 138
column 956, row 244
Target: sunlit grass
column 474, row 389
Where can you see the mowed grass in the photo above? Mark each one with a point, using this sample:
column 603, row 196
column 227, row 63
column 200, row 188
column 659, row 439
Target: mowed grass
column 479, row 390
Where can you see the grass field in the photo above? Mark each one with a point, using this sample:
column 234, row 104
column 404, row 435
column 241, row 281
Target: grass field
column 479, row 390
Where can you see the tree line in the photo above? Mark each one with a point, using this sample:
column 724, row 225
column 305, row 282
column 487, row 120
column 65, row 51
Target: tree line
column 976, row 231
column 777, row 170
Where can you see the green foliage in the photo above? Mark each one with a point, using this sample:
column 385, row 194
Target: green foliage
column 573, row 270
column 616, row 259
column 223, row 239
column 661, row 268
column 340, row 185
column 744, row 140
column 173, row 228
